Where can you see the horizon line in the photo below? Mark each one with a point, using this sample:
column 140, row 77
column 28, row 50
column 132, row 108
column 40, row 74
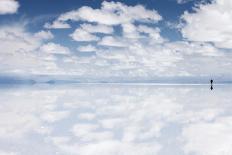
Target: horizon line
column 116, row 83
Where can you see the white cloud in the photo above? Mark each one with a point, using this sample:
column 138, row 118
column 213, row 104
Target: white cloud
column 154, row 33
column 123, row 48
column 130, row 31
column 139, row 51
column 8, row 7
column 16, row 35
column 20, row 53
column 57, row 25
column 88, row 48
column 111, row 41
column 54, row 48
column 193, row 48
column 201, row 26
column 183, row 1
column 111, row 13
column 97, row 28
column 82, row 35
column 86, row 32
column 44, row 35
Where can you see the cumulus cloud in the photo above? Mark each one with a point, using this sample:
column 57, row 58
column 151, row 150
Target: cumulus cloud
column 183, row 1
column 127, row 49
column 82, row 35
column 131, row 46
column 54, row 48
column 97, row 28
column 57, row 25
column 111, row 41
column 20, row 51
column 19, row 37
column 86, row 32
column 8, row 7
column 130, row 31
column 44, row 35
column 191, row 48
column 154, row 33
column 201, row 26
column 111, row 13
column 88, row 48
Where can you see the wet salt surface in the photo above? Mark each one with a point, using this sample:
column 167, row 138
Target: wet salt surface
column 116, row 120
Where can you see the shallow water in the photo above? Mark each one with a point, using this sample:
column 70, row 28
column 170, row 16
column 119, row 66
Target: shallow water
column 116, row 120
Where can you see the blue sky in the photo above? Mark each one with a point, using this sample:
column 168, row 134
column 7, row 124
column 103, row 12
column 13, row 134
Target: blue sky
column 116, row 40
column 41, row 11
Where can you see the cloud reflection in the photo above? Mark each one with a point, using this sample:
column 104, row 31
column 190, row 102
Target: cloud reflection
column 116, row 119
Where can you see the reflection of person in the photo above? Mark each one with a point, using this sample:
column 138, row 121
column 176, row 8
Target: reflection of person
column 211, row 87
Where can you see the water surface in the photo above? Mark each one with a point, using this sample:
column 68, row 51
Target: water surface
column 116, row 120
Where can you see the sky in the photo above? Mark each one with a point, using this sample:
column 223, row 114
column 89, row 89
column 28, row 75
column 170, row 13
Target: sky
column 129, row 40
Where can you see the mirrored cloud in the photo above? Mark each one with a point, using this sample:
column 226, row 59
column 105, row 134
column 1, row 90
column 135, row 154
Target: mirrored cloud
column 130, row 120
column 201, row 136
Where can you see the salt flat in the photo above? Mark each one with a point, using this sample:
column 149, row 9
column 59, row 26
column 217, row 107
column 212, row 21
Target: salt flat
column 116, row 119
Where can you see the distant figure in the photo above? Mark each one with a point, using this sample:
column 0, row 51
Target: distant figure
column 211, row 81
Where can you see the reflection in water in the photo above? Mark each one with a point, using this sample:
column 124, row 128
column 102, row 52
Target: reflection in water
column 116, row 120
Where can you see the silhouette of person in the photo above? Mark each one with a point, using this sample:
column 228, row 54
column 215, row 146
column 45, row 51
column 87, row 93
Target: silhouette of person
column 211, row 81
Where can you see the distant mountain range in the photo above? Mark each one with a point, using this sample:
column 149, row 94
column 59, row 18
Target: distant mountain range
column 67, row 80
